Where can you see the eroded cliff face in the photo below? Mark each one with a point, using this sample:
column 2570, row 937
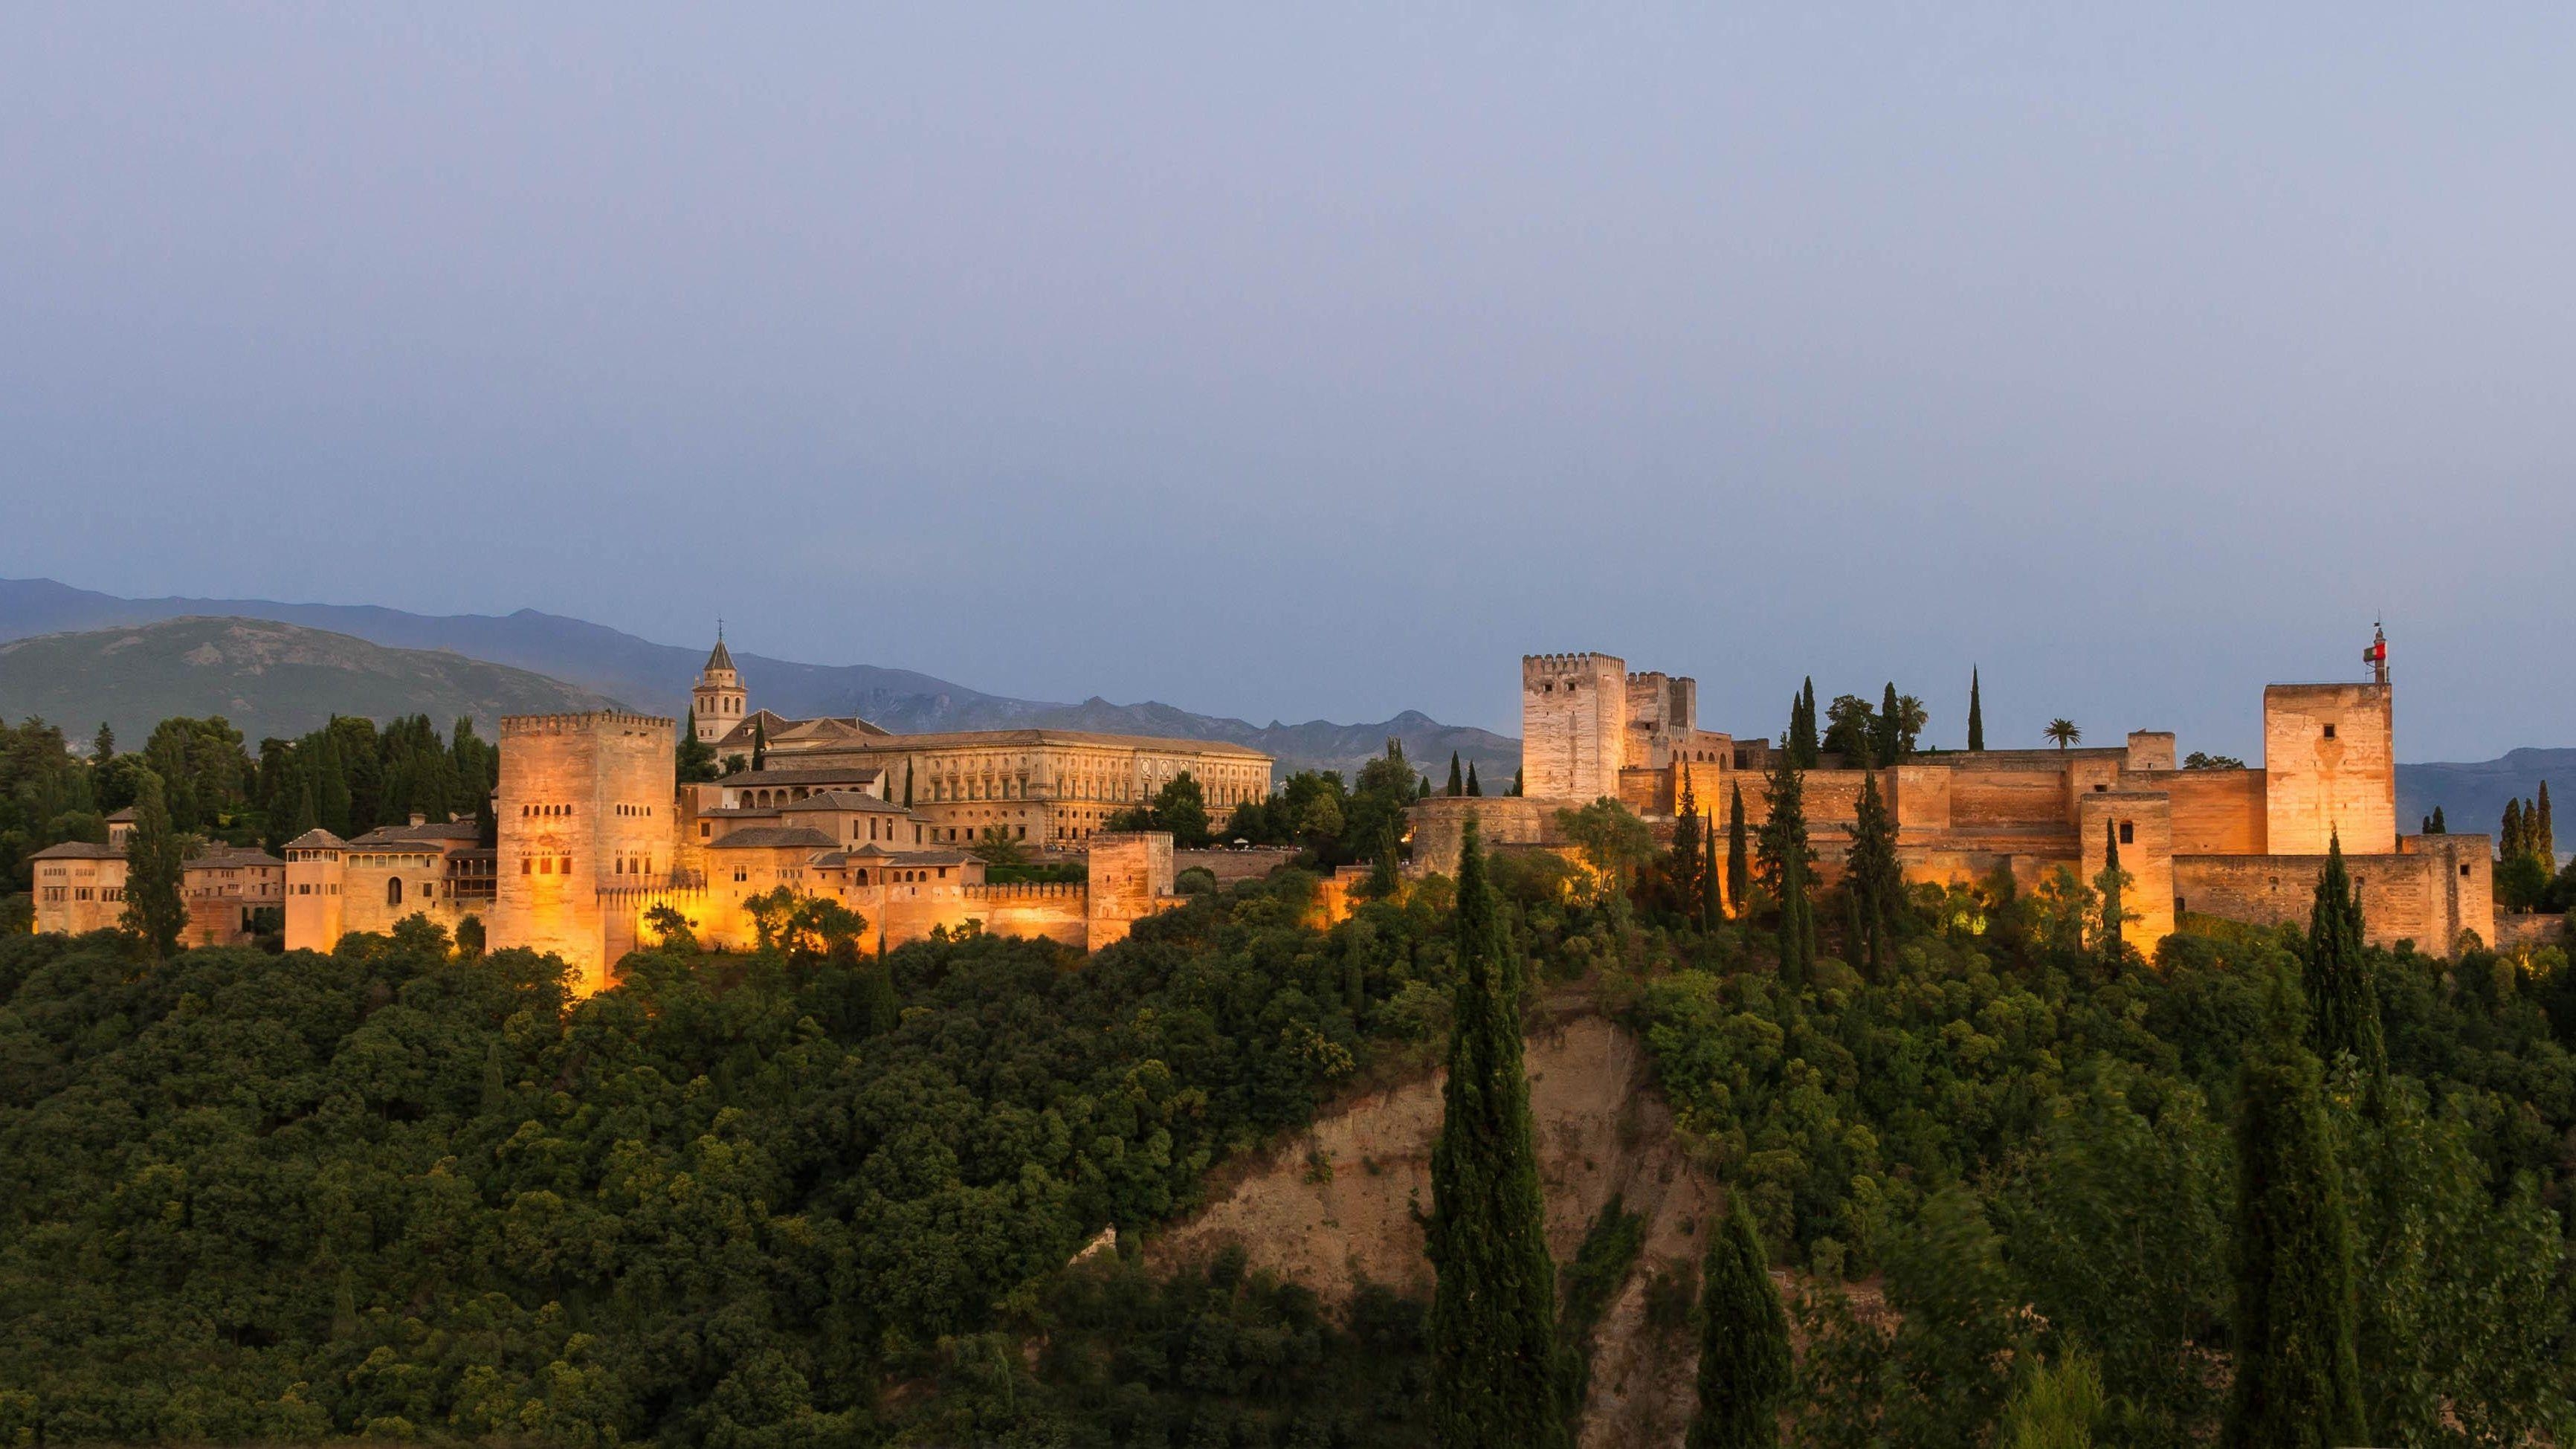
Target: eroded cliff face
column 1338, row 1205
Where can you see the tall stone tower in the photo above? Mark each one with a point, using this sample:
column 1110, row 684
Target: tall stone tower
column 718, row 699
column 1574, row 710
column 2329, row 769
column 585, row 802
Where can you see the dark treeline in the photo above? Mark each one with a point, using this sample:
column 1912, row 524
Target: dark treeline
column 795, row 1197
column 346, row 777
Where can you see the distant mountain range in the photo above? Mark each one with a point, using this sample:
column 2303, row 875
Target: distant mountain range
column 267, row 678
column 583, row 657
column 2473, row 796
column 284, row 683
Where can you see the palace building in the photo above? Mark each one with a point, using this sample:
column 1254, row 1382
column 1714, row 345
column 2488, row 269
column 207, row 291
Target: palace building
column 2242, row 844
column 1043, row 787
column 597, row 841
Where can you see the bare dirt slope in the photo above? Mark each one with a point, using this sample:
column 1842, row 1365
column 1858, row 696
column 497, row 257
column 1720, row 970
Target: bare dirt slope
column 1337, row 1205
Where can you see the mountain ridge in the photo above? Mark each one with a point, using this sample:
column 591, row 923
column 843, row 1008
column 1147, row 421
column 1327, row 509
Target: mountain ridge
column 644, row 674
column 264, row 676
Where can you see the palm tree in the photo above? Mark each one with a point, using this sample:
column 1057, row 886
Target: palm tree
column 2063, row 731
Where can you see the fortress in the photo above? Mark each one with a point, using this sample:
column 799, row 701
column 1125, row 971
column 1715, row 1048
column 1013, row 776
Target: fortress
column 595, row 835
column 2244, row 844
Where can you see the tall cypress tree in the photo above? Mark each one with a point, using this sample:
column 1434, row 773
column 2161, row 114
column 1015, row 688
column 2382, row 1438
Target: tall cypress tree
column 102, row 746
column 1787, row 857
column 1739, row 863
column 155, row 859
column 759, row 743
column 1492, row 1326
column 695, row 759
column 2297, row 1375
column 1872, row 877
column 907, row 784
column 1517, row 788
column 1685, row 866
column 1887, row 736
column 1804, row 749
column 1474, row 789
column 333, row 803
column 2110, row 886
column 2544, row 835
column 1712, row 895
column 2440, row 826
column 2343, row 1005
column 1457, row 777
column 1976, row 713
column 1744, row 1364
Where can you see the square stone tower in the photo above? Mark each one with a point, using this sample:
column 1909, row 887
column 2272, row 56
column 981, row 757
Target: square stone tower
column 2330, row 769
column 585, row 802
column 1574, row 724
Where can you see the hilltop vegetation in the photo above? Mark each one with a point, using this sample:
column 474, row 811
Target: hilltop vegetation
column 267, row 678
column 805, row 1198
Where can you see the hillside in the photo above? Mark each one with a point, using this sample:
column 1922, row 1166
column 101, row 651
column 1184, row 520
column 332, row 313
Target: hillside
column 657, row 676
column 2473, row 795
column 1335, row 1206
column 267, row 678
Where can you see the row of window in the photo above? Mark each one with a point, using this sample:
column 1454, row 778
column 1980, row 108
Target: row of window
column 544, row 865
column 635, row 810
column 84, row 893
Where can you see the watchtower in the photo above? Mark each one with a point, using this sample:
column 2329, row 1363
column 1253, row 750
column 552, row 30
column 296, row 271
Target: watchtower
column 584, row 804
column 2329, row 761
column 1574, row 721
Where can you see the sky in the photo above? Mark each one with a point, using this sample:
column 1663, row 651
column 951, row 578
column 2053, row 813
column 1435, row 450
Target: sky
column 1319, row 361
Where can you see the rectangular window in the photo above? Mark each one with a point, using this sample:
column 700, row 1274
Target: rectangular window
column 2329, row 731
column 2128, row 833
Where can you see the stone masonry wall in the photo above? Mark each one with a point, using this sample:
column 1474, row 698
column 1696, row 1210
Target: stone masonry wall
column 1573, row 725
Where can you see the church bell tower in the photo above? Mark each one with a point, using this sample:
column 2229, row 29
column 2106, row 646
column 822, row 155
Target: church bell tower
column 717, row 699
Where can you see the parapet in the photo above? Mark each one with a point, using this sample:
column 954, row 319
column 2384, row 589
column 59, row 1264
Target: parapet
column 1533, row 665
column 556, row 724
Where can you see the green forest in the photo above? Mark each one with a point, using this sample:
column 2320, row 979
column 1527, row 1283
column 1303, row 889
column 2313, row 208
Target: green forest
column 809, row 1196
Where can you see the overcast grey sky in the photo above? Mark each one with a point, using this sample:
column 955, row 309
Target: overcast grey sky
column 1312, row 361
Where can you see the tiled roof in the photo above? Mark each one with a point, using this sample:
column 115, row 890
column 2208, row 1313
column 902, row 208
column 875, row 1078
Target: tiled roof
column 775, row 837
column 844, row 800
column 719, row 657
column 233, row 857
column 78, row 850
column 382, row 835
column 806, row 775
column 317, row 839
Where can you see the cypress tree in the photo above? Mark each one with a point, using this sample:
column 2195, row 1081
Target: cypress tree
column 2343, row 1005
column 1744, row 1363
column 1976, row 713
column 695, row 759
column 1787, row 858
column 300, row 816
column 2109, row 885
column 1872, row 877
column 2440, row 826
column 2544, row 836
column 102, row 746
column 333, row 802
column 155, row 858
column 1492, row 1326
column 1739, row 865
column 1887, row 740
column 907, row 784
column 759, row 743
column 1712, row 898
column 1457, row 778
column 2297, row 1374
column 1517, row 789
column 1685, row 866
column 1473, row 788
column 1804, row 750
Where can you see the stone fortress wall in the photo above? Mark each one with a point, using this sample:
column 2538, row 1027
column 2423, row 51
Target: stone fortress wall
column 2245, row 844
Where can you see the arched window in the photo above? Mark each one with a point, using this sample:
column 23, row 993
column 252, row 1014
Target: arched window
column 393, row 891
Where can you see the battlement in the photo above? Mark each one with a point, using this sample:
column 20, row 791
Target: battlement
column 1587, row 662
column 1030, row 890
column 556, row 724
